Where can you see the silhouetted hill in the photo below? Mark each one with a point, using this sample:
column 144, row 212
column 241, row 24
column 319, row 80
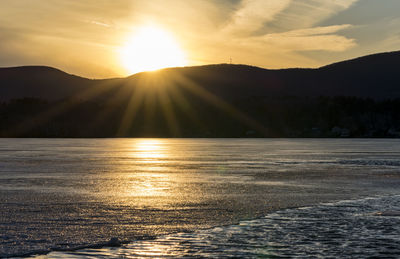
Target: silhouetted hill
column 39, row 82
column 45, row 83
column 375, row 76
column 358, row 98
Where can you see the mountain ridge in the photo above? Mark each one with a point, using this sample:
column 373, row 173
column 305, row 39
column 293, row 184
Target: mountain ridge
column 355, row 59
column 373, row 76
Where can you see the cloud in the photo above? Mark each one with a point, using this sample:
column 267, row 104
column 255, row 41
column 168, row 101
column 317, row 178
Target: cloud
column 310, row 39
column 252, row 14
column 317, row 38
column 314, row 31
column 279, row 33
column 309, row 43
column 100, row 23
column 264, row 17
column 307, row 13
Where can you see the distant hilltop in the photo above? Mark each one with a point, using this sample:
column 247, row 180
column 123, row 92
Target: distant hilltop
column 354, row 98
column 374, row 76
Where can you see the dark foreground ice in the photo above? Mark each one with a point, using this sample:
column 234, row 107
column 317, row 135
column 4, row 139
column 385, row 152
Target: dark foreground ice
column 63, row 194
column 346, row 229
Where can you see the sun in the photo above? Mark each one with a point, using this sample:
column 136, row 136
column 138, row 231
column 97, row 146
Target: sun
column 151, row 48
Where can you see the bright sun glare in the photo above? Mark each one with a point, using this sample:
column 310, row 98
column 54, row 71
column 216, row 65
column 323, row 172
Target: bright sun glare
column 151, row 48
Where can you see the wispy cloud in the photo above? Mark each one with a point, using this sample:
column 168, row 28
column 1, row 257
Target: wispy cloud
column 279, row 27
column 253, row 14
column 282, row 15
column 314, row 31
column 318, row 38
column 103, row 24
column 308, row 13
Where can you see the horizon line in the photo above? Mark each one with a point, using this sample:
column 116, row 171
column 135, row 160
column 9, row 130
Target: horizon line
column 194, row 66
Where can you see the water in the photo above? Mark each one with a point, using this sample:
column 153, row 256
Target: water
column 71, row 193
column 347, row 229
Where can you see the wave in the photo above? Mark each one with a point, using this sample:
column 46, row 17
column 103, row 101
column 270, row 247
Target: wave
column 368, row 227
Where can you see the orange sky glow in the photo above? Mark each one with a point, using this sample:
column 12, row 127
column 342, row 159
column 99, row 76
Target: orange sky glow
column 102, row 39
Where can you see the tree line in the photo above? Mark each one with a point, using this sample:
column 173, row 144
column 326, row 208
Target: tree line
column 287, row 116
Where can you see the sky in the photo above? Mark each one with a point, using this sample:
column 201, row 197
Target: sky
column 85, row 37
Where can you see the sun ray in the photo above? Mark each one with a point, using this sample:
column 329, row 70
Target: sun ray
column 109, row 107
column 134, row 103
column 168, row 110
column 88, row 94
column 218, row 103
column 184, row 105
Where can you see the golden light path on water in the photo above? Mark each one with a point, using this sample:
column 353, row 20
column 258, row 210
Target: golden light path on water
column 145, row 173
column 137, row 174
column 150, row 150
column 152, row 153
column 167, row 173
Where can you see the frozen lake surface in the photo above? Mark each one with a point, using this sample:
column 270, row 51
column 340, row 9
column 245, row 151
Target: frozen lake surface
column 199, row 197
column 346, row 229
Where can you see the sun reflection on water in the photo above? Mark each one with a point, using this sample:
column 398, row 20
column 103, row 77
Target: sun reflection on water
column 148, row 185
column 144, row 173
column 151, row 181
column 149, row 150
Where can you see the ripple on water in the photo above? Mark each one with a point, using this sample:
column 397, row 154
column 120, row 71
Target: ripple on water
column 363, row 228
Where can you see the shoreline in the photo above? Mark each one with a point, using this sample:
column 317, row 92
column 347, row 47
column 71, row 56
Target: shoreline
column 113, row 248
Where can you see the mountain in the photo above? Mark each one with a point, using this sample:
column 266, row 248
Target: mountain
column 375, row 76
column 358, row 98
column 44, row 82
